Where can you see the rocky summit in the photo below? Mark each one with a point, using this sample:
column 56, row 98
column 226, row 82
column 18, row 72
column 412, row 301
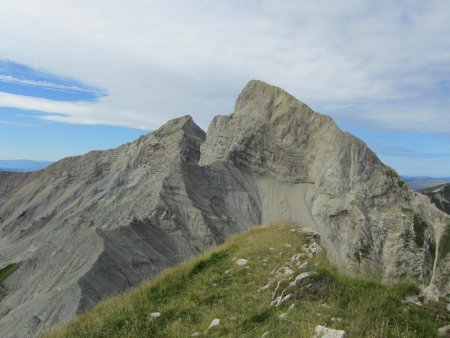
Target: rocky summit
column 88, row 227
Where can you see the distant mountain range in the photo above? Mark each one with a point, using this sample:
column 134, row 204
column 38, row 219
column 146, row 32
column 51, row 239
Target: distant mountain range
column 423, row 182
column 23, row 165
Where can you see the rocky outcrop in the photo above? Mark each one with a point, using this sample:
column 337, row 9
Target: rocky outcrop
column 91, row 226
column 307, row 170
column 439, row 195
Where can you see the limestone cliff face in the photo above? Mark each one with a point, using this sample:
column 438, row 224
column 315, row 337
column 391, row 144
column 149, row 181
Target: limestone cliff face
column 307, row 170
column 91, row 226
column 439, row 195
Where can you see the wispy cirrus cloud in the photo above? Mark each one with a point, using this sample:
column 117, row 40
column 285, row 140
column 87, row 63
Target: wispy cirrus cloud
column 23, row 80
column 20, row 124
column 44, row 84
column 77, row 112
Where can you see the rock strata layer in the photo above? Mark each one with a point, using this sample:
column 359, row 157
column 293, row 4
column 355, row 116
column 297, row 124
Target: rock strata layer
column 88, row 227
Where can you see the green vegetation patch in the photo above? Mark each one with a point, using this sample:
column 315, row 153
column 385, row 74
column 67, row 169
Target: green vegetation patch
column 210, row 286
column 443, row 205
column 390, row 172
column 407, row 210
column 406, row 236
column 363, row 252
column 444, row 245
column 419, row 230
column 214, row 259
column 8, row 271
column 432, row 250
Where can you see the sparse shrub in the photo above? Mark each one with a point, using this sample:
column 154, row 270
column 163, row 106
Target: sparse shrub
column 8, row 271
column 444, row 245
column 419, row 230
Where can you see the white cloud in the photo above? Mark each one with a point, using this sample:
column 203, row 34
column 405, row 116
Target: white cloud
column 159, row 60
column 78, row 112
column 44, row 84
column 21, row 124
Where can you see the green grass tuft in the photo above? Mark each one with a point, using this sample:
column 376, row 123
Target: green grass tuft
column 419, row 230
column 8, row 271
column 444, row 245
column 214, row 259
column 390, row 172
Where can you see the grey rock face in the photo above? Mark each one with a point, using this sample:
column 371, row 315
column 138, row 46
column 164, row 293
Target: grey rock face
column 439, row 195
column 307, row 170
column 88, row 227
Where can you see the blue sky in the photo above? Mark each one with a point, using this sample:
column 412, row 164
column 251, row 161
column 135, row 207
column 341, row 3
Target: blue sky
column 380, row 69
column 30, row 134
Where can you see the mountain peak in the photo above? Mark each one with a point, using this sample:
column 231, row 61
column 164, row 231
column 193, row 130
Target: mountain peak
column 91, row 226
column 185, row 123
column 260, row 98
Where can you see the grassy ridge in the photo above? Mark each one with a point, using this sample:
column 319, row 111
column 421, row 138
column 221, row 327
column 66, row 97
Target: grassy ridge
column 212, row 286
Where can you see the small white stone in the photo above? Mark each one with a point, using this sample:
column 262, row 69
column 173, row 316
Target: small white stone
column 283, row 316
column 444, row 331
column 302, row 276
column 431, row 293
column 314, row 248
column 196, row 334
column 304, row 266
column 275, row 302
column 324, row 332
column 265, row 287
column 155, row 314
column 288, row 272
column 241, row 262
column 215, row 323
column 412, row 300
column 333, row 319
column 296, row 257
column 271, row 249
column 285, row 299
